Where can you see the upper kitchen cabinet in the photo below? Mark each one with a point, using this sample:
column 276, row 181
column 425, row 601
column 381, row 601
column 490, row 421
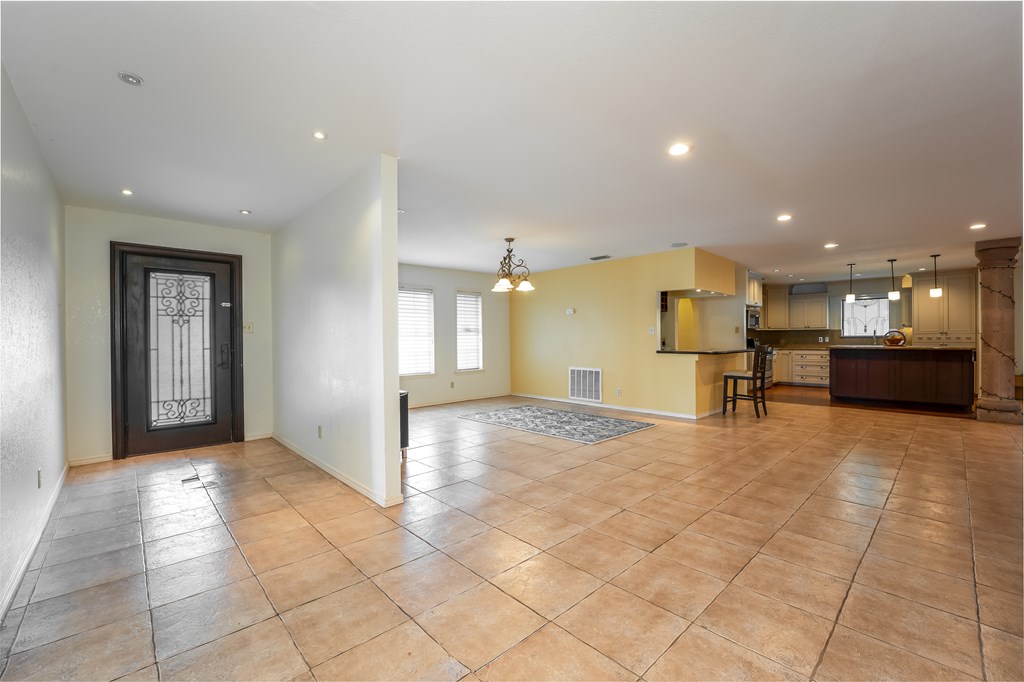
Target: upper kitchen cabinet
column 755, row 287
column 808, row 311
column 950, row 318
column 776, row 307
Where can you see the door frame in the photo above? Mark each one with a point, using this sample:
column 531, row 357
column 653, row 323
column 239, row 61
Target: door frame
column 118, row 252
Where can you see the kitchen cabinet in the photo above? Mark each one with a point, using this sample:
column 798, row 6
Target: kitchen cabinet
column 775, row 314
column 951, row 318
column 943, row 376
column 810, row 368
column 783, row 368
column 755, row 287
column 808, row 311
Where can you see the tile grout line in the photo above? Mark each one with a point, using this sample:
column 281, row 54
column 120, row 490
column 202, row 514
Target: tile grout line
column 853, row 578
column 757, row 553
column 974, row 564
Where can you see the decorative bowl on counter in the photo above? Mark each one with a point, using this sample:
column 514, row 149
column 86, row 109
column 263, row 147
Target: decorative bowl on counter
column 894, row 337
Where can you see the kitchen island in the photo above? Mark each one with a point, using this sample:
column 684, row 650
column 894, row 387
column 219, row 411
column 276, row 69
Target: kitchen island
column 934, row 375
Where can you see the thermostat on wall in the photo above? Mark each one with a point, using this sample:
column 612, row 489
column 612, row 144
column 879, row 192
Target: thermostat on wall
column 570, row 311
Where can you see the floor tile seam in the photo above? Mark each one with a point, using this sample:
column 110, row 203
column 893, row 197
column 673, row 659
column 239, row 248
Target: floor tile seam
column 849, row 588
column 100, row 511
column 875, row 552
column 888, row 591
column 162, row 662
column 912, row 653
column 490, row 581
column 977, row 596
column 99, row 494
column 694, row 624
column 105, row 582
column 12, row 653
column 290, row 562
column 149, row 611
column 921, row 516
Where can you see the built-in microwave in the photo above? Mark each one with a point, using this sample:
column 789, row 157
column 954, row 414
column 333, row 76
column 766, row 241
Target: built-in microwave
column 753, row 318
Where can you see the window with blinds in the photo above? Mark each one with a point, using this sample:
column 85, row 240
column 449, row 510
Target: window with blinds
column 415, row 331
column 469, row 340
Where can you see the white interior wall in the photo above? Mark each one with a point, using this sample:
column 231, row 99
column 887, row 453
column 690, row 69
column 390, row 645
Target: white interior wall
column 335, row 326
column 494, row 379
column 32, row 425
column 88, row 233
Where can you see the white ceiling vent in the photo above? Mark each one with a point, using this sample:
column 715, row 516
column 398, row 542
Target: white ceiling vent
column 585, row 383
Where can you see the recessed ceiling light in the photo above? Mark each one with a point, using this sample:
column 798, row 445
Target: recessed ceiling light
column 857, row 275
column 784, row 218
column 127, row 192
column 679, row 245
column 130, row 78
column 922, row 269
column 678, row 149
column 245, row 211
column 831, row 245
column 401, row 210
column 775, row 270
column 978, row 226
column 790, row 275
column 319, row 135
column 801, row 279
column 698, row 291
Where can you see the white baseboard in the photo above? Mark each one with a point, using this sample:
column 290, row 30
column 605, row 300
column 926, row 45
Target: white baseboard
column 90, row 460
column 358, row 487
column 258, row 436
column 11, row 589
column 459, row 400
column 641, row 410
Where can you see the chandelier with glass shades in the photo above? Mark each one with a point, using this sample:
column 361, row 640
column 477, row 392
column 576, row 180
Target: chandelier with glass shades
column 512, row 272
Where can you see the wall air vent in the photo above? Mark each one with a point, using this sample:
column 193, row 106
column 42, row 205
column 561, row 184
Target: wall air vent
column 585, row 383
column 600, row 257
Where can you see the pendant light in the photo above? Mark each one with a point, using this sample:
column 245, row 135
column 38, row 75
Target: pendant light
column 936, row 290
column 894, row 293
column 850, row 298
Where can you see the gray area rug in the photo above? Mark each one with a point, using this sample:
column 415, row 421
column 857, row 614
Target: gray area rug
column 576, row 426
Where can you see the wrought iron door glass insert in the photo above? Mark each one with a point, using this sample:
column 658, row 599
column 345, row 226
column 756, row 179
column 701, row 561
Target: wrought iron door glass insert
column 180, row 329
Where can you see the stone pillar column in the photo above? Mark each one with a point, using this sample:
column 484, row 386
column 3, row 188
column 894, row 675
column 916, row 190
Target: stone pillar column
column 996, row 260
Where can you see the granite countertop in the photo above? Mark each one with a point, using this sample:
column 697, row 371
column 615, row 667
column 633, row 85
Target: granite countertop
column 702, row 352
column 880, row 347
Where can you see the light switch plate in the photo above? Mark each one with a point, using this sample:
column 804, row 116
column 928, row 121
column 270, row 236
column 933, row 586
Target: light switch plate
column 247, row 327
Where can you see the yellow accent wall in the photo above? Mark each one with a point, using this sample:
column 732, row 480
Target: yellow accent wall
column 616, row 305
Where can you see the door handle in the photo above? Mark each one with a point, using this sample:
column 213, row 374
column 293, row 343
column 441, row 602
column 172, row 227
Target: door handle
column 225, row 356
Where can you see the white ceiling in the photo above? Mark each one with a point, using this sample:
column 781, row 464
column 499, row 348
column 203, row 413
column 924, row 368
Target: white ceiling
column 887, row 127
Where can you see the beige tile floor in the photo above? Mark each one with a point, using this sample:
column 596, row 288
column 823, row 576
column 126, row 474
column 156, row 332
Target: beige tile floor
column 820, row 542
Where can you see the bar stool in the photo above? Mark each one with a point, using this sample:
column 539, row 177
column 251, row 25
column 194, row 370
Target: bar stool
column 756, row 378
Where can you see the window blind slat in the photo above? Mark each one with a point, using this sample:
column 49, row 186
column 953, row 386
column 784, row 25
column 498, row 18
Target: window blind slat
column 415, row 331
column 469, row 330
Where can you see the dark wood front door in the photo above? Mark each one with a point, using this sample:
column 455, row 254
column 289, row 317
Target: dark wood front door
column 176, row 324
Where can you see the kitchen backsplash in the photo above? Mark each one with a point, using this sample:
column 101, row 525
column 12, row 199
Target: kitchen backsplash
column 806, row 338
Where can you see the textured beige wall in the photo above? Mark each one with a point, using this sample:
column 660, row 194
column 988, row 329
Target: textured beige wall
column 32, row 432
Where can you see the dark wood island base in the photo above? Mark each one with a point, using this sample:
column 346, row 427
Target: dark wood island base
column 904, row 374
